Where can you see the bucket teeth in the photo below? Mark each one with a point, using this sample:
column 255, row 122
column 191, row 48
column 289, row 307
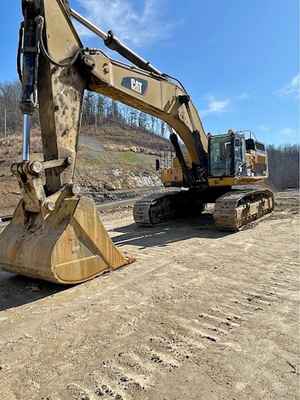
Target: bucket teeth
column 69, row 246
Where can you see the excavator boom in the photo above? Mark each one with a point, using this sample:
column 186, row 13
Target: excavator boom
column 55, row 233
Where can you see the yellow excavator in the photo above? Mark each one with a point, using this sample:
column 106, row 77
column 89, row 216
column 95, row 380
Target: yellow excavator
column 56, row 234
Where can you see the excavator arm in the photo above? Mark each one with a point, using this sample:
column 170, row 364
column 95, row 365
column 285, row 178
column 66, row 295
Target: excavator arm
column 56, row 234
column 65, row 68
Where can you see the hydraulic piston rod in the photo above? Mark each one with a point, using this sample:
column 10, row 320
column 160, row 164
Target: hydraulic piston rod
column 114, row 43
column 26, row 137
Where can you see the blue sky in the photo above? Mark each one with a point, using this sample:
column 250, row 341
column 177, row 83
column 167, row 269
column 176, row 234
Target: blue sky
column 239, row 59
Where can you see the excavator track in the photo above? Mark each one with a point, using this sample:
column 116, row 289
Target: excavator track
column 233, row 210
column 237, row 208
column 160, row 207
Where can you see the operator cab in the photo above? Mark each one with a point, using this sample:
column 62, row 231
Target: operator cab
column 232, row 155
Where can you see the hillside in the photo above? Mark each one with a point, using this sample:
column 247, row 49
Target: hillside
column 115, row 160
column 112, row 158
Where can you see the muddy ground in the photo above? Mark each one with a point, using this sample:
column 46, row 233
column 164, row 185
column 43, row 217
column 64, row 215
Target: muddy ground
column 201, row 315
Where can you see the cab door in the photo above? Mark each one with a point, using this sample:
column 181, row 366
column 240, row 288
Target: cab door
column 239, row 155
column 220, row 157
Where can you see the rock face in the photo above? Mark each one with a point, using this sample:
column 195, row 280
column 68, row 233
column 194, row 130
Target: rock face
column 120, row 185
column 133, row 180
column 133, row 149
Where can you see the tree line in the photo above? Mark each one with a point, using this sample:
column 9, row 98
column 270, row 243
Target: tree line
column 284, row 166
column 98, row 110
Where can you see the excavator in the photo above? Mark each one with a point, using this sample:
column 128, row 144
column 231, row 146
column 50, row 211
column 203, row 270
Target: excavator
column 55, row 233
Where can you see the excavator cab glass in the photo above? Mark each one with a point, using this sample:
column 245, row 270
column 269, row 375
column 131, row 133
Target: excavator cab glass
column 226, row 155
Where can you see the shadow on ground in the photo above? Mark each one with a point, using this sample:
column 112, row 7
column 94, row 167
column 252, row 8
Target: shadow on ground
column 161, row 235
column 16, row 290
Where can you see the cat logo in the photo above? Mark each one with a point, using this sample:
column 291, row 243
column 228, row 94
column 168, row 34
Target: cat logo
column 137, row 85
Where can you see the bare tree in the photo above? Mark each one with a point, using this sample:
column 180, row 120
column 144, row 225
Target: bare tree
column 284, row 166
column 10, row 114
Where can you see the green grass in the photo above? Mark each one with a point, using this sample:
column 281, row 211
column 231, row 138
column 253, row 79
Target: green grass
column 108, row 160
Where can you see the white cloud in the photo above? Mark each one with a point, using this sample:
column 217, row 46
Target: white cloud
column 264, row 128
column 243, row 96
column 136, row 26
column 292, row 88
column 216, row 106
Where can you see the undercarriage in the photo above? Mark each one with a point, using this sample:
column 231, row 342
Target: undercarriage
column 233, row 210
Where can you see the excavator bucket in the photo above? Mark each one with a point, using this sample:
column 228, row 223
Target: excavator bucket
column 55, row 234
column 68, row 246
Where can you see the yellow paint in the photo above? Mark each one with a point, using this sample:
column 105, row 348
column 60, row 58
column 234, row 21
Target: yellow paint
column 231, row 181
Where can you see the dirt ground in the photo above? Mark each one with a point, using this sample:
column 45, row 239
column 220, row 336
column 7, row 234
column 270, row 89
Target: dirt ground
column 201, row 315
